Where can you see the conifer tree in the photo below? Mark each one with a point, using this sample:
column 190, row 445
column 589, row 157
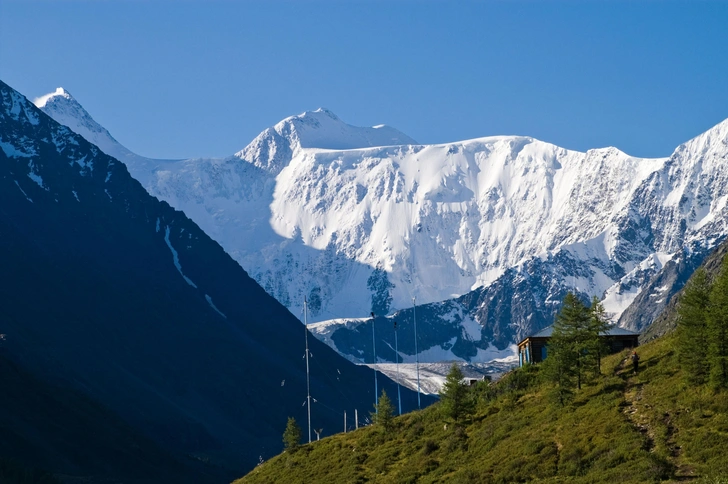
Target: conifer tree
column 454, row 397
column 573, row 323
column 383, row 415
column 718, row 329
column 573, row 350
column 292, row 435
column 597, row 327
column 692, row 328
column 559, row 367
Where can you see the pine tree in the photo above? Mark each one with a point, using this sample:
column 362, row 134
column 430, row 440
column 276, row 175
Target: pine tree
column 455, row 398
column 718, row 329
column 383, row 415
column 692, row 328
column 292, row 435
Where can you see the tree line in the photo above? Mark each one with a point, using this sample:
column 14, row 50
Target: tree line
column 702, row 329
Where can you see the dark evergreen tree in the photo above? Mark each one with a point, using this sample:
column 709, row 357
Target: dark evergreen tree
column 718, row 329
column 595, row 343
column 559, row 367
column 455, row 396
column 575, row 346
column 692, row 328
column 292, row 435
column 383, row 415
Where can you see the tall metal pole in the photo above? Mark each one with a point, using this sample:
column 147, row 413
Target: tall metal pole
column 396, row 360
column 417, row 354
column 308, row 383
column 376, row 389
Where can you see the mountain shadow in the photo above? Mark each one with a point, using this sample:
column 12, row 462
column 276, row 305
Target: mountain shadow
column 109, row 292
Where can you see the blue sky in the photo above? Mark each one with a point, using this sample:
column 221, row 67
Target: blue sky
column 192, row 78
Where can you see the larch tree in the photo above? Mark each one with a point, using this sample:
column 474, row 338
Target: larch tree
column 597, row 327
column 455, row 396
column 718, row 329
column 383, row 415
column 574, row 349
column 692, row 328
column 559, row 367
column 292, row 435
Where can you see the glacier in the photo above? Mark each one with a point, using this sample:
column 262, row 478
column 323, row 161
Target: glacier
column 358, row 219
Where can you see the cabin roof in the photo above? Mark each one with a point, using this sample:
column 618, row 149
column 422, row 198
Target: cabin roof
column 613, row 331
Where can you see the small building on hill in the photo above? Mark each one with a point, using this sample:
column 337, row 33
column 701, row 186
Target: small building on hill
column 533, row 349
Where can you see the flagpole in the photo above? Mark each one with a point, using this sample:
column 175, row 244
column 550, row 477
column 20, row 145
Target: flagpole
column 396, row 360
column 417, row 354
column 308, row 382
column 374, row 349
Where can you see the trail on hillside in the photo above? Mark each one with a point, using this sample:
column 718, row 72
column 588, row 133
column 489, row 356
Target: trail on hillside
column 637, row 412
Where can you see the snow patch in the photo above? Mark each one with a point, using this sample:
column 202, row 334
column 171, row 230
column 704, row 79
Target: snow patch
column 175, row 258
column 12, row 152
column 617, row 299
column 212, row 305
column 34, row 176
column 22, row 191
column 472, row 329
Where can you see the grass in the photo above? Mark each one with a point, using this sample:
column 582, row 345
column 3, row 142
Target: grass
column 648, row 427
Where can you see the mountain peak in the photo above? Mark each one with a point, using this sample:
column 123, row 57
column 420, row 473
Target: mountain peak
column 319, row 129
column 40, row 102
column 65, row 109
column 325, row 111
column 323, row 129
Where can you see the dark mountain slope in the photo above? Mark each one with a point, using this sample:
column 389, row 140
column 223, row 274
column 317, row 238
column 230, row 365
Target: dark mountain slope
column 116, row 294
column 51, row 427
column 666, row 320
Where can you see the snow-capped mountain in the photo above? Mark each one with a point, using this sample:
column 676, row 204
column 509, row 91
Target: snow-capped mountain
column 364, row 219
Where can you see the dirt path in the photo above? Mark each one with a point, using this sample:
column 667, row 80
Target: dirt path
column 633, row 409
column 637, row 412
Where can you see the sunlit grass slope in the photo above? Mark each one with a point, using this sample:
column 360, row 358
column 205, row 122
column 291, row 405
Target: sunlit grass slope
column 648, row 427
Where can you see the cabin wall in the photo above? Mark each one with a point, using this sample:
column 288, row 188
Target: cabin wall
column 536, row 350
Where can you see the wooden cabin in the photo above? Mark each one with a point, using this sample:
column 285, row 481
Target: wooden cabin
column 533, row 349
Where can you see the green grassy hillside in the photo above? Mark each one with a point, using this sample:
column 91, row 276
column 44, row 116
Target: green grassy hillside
column 648, row 427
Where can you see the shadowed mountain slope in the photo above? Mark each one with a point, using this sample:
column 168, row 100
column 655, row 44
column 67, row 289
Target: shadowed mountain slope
column 110, row 292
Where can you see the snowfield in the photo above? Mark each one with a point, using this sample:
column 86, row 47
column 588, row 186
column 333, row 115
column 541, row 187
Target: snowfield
column 364, row 219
